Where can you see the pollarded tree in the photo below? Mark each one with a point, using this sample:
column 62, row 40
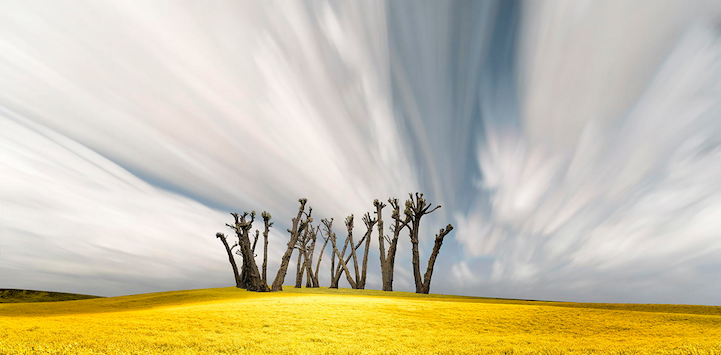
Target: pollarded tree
column 356, row 280
column 388, row 259
column 342, row 266
column 415, row 209
column 369, row 223
column 242, row 227
column 299, row 225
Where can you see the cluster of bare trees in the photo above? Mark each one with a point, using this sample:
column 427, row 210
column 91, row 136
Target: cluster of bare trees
column 344, row 261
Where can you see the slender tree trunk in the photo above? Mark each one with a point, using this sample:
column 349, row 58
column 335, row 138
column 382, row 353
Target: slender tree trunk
column 349, row 226
column 432, row 260
column 317, row 266
column 369, row 223
column 341, row 267
column 267, row 223
column 381, row 241
column 338, row 268
column 299, row 271
column 332, row 270
column 221, row 236
column 255, row 242
column 352, row 282
column 416, row 255
column 298, row 226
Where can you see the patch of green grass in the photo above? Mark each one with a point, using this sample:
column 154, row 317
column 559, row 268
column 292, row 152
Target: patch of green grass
column 25, row 296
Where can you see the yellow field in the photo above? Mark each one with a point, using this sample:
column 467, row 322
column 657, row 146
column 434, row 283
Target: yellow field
column 323, row 321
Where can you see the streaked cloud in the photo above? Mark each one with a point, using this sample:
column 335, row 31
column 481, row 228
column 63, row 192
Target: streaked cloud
column 573, row 144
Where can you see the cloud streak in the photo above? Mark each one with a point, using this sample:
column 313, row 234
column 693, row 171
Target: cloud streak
column 573, row 145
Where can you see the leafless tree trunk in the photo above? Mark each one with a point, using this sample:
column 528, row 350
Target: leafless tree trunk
column 255, row 242
column 369, row 223
column 349, row 227
column 388, row 260
column 242, row 229
column 221, row 236
column 432, row 260
column 316, row 283
column 311, row 279
column 267, row 223
column 332, row 264
column 342, row 266
column 300, row 267
column 299, row 224
column 416, row 208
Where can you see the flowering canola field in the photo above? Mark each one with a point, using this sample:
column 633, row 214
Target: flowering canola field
column 324, row 321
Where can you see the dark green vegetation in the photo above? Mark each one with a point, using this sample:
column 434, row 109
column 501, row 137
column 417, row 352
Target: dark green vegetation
column 23, row 296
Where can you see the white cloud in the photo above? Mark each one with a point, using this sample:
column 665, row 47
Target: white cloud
column 635, row 196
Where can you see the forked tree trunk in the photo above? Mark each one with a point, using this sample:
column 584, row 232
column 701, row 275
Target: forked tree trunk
column 416, row 208
column 311, row 278
column 388, row 260
column 302, row 247
column 299, row 224
column 221, row 236
column 432, row 260
column 349, row 226
column 242, row 229
column 341, row 267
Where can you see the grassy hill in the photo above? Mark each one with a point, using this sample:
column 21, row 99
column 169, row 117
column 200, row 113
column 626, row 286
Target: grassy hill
column 23, row 296
column 324, row 321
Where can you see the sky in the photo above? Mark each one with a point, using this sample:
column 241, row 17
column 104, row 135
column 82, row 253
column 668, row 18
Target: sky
column 574, row 145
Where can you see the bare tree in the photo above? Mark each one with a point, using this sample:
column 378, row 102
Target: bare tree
column 301, row 245
column 342, row 266
column 432, row 260
column 267, row 223
column 316, row 283
column 388, row 259
column 369, row 223
column 416, row 208
column 228, row 249
column 330, row 236
column 299, row 225
column 311, row 279
column 355, row 280
column 242, row 227
column 349, row 227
